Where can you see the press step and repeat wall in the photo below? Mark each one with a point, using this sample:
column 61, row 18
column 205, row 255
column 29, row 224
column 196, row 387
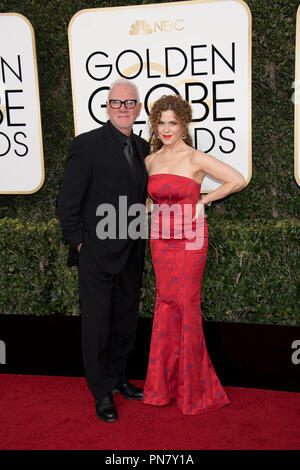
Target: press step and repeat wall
column 200, row 50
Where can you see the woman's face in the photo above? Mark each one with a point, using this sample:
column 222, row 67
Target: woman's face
column 169, row 128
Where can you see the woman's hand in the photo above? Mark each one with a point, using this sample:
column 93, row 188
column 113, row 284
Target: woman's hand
column 200, row 210
column 149, row 203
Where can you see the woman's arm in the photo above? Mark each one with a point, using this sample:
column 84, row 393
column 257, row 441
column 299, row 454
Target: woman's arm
column 233, row 180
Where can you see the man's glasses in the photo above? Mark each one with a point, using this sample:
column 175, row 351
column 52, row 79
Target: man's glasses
column 116, row 104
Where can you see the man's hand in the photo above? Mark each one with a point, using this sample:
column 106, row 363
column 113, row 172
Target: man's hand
column 79, row 247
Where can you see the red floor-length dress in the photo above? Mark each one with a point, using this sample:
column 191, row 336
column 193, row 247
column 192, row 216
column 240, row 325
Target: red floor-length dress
column 179, row 365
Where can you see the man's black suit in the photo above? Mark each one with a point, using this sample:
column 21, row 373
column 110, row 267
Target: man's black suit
column 96, row 173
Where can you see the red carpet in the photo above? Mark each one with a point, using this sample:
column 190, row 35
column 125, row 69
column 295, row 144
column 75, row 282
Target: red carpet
column 57, row 413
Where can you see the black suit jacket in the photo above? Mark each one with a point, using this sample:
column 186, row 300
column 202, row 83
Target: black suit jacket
column 97, row 172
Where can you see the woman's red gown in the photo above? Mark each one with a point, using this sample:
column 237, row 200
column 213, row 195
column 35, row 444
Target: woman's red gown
column 179, row 365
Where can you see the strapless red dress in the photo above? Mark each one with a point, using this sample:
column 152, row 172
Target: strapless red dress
column 179, row 365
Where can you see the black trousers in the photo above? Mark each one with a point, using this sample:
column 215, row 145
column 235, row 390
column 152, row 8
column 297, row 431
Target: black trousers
column 109, row 314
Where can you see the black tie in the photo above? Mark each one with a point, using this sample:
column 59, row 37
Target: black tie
column 129, row 154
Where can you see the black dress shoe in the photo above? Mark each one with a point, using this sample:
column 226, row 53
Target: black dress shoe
column 130, row 391
column 105, row 408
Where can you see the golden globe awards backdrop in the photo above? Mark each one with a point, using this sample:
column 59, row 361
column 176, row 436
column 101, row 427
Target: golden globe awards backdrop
column 21, row 151
column 199, row 49
column 296, row 100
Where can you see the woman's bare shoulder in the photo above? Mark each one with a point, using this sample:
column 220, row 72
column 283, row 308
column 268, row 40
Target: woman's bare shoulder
column 198, row 157
column 149, row 159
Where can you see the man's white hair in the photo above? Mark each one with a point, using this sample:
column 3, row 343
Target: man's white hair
column 124, row 81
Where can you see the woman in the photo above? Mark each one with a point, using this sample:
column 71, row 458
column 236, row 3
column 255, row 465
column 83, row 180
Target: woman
column 179, row 365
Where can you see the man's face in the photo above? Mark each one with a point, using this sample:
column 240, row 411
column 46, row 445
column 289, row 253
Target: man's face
column 123, row 118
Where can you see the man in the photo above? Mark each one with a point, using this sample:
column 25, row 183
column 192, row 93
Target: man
column 99, row 171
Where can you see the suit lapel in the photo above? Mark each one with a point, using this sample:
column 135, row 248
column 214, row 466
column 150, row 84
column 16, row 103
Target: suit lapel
column 114, row 150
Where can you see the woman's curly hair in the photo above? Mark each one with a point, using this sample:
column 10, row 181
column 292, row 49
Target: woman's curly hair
column 181, row 109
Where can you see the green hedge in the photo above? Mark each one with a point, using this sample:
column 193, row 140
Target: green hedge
column 250, row 274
